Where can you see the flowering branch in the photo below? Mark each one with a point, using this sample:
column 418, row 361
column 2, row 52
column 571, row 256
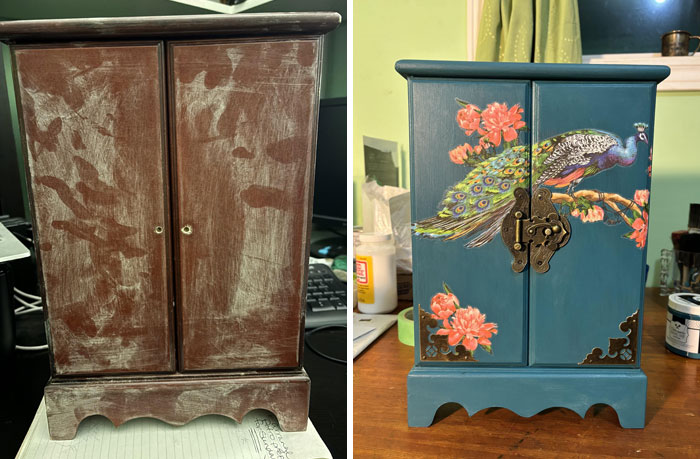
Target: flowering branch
column 580, row 203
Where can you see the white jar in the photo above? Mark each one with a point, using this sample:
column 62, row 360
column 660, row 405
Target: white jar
column 375, row 267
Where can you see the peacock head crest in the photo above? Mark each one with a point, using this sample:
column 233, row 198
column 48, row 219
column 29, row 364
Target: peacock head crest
column 641, row 132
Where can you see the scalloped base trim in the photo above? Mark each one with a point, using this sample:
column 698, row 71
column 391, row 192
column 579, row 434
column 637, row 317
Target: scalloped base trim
column 527, row 391
column 177, row 399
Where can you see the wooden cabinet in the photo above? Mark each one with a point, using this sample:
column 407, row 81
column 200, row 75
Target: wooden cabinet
column 530, row 207
column 170, row 163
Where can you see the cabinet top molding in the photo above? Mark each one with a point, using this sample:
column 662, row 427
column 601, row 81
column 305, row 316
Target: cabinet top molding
column 528, row 71
column 195, row 26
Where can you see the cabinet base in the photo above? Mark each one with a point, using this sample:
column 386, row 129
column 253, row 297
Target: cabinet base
column 177, row 399
column 527, row 391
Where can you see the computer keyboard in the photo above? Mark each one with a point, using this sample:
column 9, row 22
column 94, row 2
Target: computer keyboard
column 326, row 299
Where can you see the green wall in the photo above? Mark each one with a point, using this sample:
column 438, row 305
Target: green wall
column 400, row 29
column 384, row 32
column 675, row 181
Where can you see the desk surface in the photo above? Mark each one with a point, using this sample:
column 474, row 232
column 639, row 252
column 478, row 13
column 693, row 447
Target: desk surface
column 673, row 411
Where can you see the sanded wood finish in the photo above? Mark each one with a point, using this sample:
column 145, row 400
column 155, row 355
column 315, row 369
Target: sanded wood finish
column 93, row 125
column 201, row 25
column 177, row 401
column 672, row 414
column 244, row 137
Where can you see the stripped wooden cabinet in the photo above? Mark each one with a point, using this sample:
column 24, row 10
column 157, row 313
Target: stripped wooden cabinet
column 170, row 184
column 530, row 198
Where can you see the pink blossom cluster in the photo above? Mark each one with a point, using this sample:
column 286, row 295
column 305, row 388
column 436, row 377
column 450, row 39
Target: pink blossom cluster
column 640, row 226
column 466, row 326
column 594, row 214
column 497, row 122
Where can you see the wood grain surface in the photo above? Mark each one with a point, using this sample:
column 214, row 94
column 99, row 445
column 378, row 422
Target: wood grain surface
column 200, row 25
column 92, row 118
column 177, row 401
column 244, row 137
column 672, row 420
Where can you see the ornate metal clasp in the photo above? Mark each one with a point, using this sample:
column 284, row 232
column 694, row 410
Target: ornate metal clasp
column 533, row 231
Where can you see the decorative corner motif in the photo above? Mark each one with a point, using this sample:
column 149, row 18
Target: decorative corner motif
column 621, row 351
column 436, row 346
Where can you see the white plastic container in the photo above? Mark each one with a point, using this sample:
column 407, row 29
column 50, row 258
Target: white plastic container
column 683, row 324
column 375, row 267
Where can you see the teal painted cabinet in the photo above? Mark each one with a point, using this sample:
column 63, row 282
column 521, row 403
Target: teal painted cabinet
column 530, row 206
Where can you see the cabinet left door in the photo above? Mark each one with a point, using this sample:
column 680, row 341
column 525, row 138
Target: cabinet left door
column 94, row 139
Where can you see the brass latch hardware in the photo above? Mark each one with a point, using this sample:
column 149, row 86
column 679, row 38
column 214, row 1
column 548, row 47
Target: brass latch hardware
column 534, row 231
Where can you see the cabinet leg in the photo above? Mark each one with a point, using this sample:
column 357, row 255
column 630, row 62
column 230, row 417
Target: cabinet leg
column 631, row 416
column 63, row 426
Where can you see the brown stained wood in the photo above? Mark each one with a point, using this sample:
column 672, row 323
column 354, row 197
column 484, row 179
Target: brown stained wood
column 204, row 25
column 92, row 118
column 244, row 138
column 177, row 402
column 672, row 421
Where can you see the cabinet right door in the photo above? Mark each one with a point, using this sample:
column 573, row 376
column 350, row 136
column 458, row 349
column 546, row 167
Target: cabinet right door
column 244, row 120
column 591, row 148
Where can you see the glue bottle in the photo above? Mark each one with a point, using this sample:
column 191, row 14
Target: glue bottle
column 375, row 267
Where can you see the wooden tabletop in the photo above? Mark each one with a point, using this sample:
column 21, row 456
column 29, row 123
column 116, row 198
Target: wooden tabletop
column 672, row 418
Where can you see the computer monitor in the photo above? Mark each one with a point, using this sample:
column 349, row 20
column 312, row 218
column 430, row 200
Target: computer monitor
column 330, row 192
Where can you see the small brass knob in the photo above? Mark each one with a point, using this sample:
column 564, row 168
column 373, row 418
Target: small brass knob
column 158, row 229
column 517, row 246
column 518, row 214
column 556, row 228
column 547, row 232
column 187, row 229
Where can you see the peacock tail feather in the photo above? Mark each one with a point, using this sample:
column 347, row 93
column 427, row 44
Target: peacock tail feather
column 475, row 206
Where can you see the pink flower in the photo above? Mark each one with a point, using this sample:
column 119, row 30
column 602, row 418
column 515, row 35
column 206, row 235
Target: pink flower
column 641, row 197
column 469, row 118
column 640, row 227
column 443, row 305
column 468, row 328
column 594, row 214
column 460, row 154
column 497, row 119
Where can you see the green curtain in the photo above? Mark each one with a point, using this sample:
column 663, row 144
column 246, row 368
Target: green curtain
column 529, row 31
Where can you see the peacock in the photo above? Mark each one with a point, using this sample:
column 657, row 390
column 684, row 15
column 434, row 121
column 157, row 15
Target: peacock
column 475, row 207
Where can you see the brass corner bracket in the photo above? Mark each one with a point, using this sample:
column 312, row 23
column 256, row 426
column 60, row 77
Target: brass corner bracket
column 533, row 230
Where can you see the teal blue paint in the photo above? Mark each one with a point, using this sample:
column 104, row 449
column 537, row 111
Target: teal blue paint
column 547, row 323
column 469, row 273
column 606, row 268
column 523, row 71
column 683, row 353
column 527, row 391
column 682, row 315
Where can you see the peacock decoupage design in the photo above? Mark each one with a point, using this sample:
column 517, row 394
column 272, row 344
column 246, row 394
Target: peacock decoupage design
column 475, row 207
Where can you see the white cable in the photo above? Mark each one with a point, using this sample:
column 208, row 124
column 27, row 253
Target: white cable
column 32, row 348
column 27, row 295
column 26, row 311
column 35, row 304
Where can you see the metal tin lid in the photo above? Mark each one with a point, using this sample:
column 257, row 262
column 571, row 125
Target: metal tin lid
column 374, row 237
column 688, row 303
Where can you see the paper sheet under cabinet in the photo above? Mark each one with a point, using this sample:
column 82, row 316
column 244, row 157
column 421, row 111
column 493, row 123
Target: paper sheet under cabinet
column 211, row 436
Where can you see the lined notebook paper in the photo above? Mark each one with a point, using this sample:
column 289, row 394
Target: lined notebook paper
column 207, row 437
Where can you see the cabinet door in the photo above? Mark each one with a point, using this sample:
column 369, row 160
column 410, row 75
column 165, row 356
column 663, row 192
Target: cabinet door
column 596, row 138
column 470, row 152
column 244, row 129
column 93, row 126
